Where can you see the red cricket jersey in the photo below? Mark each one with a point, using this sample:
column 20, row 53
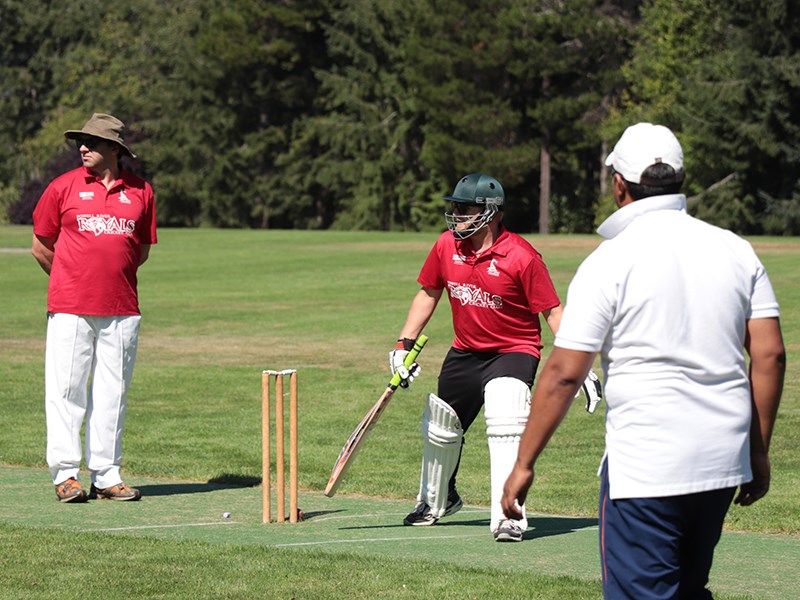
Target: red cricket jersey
column 98, row 235
column 495, row 298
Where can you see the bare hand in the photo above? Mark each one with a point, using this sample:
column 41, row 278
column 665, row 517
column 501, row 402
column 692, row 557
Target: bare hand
column 516, row 490
column 759, row 486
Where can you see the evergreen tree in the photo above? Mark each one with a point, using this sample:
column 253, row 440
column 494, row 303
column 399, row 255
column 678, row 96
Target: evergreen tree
column 516, row 90
column 459, row 55
column 726, row 79
column 32, row 36
column 565, row 61
column 748, row 128
column 362, row 114
column 208, row 89
column 242, row 75
column 355, row 158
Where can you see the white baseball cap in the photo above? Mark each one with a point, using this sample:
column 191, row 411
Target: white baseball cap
column 642, row 145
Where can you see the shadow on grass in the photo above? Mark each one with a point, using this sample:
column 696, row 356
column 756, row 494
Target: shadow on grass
column 236, row 480
column 538, row 527
column 321, row 513
column 224, row 481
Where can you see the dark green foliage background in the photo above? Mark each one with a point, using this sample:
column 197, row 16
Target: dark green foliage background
column 361, row 114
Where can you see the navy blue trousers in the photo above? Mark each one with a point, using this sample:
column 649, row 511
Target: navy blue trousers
column 659, row 548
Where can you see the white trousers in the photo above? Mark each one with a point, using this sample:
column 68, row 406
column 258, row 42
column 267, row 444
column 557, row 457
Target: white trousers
column 89, row 364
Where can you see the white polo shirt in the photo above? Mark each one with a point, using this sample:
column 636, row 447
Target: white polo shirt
column 665, row 301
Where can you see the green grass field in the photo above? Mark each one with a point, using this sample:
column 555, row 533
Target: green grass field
column 221, row 305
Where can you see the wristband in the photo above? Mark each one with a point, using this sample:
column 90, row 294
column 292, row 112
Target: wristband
column 406, row 344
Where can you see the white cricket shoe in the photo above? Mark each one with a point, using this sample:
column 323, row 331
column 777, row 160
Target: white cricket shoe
column 507, row 531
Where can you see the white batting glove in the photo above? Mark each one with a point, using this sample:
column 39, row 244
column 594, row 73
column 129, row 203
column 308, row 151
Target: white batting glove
column 397, row 359
column 593, row 390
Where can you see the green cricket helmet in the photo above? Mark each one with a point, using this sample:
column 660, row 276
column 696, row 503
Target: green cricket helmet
column 474, row 189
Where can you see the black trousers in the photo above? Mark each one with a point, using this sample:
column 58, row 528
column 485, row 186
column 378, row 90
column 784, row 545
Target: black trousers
column 464, row 376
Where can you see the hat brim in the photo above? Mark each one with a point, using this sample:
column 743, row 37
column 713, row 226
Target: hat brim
column 74, row 133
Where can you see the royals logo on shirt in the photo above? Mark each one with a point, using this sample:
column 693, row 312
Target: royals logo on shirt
column 492, row 270
column 123, row 198
column 106, row 225
column 473, row 295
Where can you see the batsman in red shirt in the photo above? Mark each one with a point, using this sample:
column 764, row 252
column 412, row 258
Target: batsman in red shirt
column 498, row 285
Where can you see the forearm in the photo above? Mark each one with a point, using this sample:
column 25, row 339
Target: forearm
column 766, row 384
column 419, row 314
column 553, row 317
column 554, row 392
column 144, row 253
column 542, row 424
column 43, row 250
column 767, row 371
column 45, row 261
column 766, row 390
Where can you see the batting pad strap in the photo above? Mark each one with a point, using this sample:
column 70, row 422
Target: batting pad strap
column 442, row 434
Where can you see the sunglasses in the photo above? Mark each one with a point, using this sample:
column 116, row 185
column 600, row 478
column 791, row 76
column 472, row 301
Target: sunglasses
column 89, row 141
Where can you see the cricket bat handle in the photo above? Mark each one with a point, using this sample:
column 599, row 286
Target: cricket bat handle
column 419, row 344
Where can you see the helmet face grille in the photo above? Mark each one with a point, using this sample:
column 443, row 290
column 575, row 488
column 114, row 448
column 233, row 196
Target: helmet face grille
column 475, row 189
column 476, row 223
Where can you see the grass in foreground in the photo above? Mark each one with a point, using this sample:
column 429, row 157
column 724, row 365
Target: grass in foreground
column 95, row 565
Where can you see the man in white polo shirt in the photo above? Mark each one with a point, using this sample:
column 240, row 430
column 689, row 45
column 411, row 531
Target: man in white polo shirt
column 671, row 304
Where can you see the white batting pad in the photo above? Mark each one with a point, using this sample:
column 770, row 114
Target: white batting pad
column 507, row 403
column 442, row 432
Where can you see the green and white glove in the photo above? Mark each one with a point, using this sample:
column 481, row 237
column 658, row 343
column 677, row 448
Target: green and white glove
column 397, row 359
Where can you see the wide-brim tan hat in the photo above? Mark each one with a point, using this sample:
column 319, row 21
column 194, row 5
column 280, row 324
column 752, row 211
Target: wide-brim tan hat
column 103, row 126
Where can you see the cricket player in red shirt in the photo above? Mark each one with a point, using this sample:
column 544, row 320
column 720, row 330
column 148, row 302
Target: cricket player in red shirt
column 498, row 285
column 92, row 229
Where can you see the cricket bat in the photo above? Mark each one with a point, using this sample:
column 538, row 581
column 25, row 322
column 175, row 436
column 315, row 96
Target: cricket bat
column 356, row 439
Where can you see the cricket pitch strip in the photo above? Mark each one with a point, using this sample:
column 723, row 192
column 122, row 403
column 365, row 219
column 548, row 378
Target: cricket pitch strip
column 759, row 565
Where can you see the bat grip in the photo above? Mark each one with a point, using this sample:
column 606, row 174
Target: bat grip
column 419, row 344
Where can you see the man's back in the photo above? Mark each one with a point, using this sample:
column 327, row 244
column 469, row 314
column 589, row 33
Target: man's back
column 666, row 302
column 684, row 291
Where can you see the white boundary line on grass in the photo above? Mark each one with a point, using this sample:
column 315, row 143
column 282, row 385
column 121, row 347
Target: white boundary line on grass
column 387, row 539
column 164, row 526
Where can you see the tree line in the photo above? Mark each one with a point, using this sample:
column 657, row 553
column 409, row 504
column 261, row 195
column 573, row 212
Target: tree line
column 361, row 114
